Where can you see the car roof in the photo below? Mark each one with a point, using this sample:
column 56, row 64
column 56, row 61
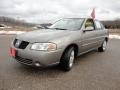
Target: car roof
column 79, row 18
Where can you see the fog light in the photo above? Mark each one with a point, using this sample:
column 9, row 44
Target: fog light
column 37, row 64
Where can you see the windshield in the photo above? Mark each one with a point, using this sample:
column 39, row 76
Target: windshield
column 68, row 24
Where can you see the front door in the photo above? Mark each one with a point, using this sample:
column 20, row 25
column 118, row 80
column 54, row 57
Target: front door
column 89, row 36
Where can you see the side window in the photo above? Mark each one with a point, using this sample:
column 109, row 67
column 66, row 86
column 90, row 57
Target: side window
column 102, row 26
column 98, row 25
column 89, row 24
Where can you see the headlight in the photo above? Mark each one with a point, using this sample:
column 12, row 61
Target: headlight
column 44, row 46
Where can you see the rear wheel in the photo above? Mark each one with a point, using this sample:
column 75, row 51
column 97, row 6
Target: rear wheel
column 67, row 59
column 103, row 47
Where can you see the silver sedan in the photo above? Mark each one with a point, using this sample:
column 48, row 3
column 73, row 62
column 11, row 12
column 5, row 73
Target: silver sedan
column 60, row 43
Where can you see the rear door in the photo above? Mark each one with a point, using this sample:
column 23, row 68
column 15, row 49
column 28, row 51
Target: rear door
column 101, row 32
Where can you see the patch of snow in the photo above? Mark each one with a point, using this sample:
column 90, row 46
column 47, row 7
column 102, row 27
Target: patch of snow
column 114, row 36
column 12, row 32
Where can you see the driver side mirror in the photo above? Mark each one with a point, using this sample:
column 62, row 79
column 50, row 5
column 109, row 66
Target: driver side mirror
column 89, row 28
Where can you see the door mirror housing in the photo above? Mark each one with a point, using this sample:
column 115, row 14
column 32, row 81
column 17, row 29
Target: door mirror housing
column 88, row 29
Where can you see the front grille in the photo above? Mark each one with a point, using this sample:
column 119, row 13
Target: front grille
column 22, row 45
column 23, row 60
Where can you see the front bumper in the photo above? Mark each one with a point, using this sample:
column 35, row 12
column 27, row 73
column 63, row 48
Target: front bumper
column 31, row 57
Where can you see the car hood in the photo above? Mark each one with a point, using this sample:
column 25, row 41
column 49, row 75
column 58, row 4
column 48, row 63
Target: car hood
column 43, row 35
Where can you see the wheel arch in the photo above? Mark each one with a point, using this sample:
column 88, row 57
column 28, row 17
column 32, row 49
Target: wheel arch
column 106, row 38
column 76, row 48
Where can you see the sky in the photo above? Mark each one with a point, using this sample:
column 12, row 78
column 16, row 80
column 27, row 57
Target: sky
column 50, row 10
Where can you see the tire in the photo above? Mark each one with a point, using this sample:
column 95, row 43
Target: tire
column 67, row 59
column 103, row 47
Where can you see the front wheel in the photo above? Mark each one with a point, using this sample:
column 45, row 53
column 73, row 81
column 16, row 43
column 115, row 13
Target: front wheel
column 67, row 59
column 103, row 47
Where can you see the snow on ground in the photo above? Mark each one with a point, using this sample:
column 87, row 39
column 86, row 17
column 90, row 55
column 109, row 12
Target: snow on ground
column 12, row 32
column 114, row 36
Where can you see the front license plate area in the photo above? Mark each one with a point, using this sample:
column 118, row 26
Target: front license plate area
column 13, row 52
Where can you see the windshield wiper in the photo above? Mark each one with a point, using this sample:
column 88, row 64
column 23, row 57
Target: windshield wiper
column 58, row 28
